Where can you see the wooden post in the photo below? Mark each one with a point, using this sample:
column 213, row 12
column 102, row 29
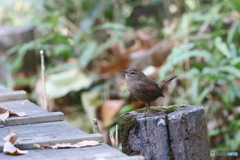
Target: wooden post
column 174, row 132
column 16, row 35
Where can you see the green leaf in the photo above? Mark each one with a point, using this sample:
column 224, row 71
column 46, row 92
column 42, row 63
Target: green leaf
column 88, row 54
column 91, row 17
column 21, row 51
column 221, row 46
column 204, row 93
column 191, row 4
column 91, row 100
column 234, row 88
column 173, row 60
column 58, row 85
column 194, row 89
column 232, row 31
column 230, row 70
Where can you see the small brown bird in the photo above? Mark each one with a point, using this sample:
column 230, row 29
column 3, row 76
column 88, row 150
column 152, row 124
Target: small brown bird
column 143, row 88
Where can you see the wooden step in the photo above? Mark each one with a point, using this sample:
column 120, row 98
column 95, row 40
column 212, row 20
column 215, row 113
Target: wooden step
column 34, row 112
column 102, row 151
column 8, row 95
column 46, row 133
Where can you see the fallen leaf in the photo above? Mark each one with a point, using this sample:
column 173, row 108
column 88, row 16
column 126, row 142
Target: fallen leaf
column 84, row 143
column 37, row 146
column 110, row 108
column 9, row 148
column 88, row 143
column 11, row 137
column 17, row 114
column 46, row 146
column 4, row 114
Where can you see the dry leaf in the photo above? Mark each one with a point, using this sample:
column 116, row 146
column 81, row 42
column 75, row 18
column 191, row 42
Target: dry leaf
column 4, row 114
column 37, row 146
column 17, row 114
column 88, row 143
column 9, row 148
column 45, row 146
column 69, row 145
column 11, row 137
column 110, row 108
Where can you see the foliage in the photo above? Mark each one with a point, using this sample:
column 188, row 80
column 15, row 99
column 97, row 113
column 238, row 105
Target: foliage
column 205, row 56
column 209, row 65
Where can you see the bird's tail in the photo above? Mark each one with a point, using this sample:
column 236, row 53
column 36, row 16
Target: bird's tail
column 164, row 83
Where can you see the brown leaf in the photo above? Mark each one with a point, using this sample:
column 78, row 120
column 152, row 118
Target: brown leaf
column 11, row 137
column 110, row 108
column 2, row 110
column 46, row 146
column 17, row 114
column 10, row 149
column 4, row 114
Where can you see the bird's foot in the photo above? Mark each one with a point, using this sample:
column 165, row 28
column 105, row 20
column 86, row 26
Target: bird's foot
column 144, row 114
column 140, row 115
column 148, row 113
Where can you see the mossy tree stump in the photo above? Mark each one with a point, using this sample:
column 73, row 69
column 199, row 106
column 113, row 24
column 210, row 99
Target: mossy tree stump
column 173, row 132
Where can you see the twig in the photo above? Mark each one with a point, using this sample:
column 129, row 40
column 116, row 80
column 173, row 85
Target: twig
column 96, row 129
column 112, row 139
column 116, row 135
column 43, row 80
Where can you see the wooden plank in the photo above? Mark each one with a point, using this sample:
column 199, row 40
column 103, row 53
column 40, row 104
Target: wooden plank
column 46, row 133
column 35, row 113
column 86, row 153
column 7, row 95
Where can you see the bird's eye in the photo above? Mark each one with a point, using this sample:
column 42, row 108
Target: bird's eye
column 132, row 72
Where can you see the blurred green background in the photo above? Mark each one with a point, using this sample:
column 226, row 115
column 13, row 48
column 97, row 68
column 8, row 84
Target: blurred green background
column 87, row 42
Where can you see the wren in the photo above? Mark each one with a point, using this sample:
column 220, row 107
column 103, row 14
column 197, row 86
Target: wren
column 143, row 88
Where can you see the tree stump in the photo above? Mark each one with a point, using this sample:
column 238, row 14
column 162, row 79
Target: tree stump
column 174, row 132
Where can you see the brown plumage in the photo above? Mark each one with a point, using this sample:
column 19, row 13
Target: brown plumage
column 143, row 88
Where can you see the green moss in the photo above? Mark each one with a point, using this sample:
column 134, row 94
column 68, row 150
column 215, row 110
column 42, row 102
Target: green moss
column 165, row 109
column 127, row 123
column 195, row 134
column 204, row 124
column 170, row 155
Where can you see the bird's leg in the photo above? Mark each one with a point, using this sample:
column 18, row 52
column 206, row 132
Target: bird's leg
column 148, row 108
column 146, row 105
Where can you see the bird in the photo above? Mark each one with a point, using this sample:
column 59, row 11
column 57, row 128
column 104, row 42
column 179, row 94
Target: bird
column 144, row 88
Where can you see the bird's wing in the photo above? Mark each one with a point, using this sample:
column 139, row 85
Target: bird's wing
column 149, row 89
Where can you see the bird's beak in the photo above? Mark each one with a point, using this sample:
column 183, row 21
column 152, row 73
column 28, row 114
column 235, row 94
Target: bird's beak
column 124, row 71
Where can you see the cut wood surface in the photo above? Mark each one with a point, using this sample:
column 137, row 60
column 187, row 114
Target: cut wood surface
column 178, row 132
